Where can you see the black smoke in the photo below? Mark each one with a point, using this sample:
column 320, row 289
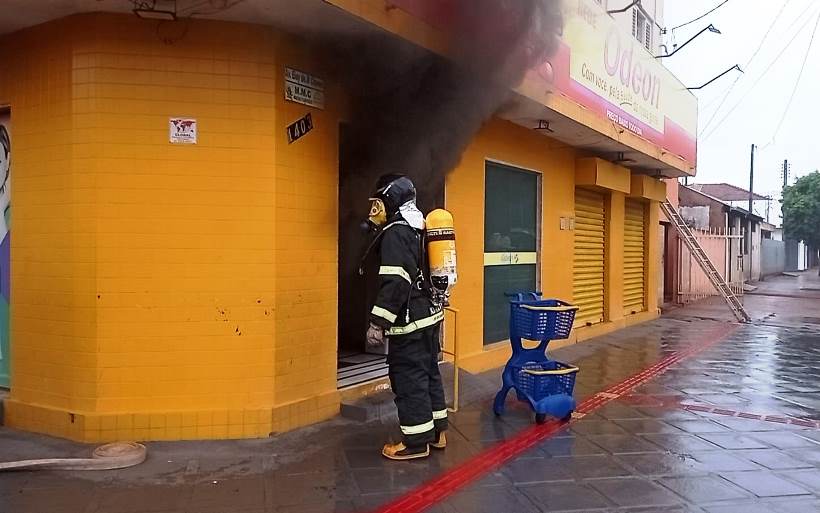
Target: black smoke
column 414, row 112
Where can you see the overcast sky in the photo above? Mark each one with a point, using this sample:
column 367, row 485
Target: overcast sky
column 723, row 146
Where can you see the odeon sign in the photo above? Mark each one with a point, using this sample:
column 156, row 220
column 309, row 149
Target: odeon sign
column 605, row 70
column 619, row 60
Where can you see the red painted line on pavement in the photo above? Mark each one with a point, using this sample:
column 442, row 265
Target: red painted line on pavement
column 752, row 416
column 457, row 478
column 695, row 407
column 778, row 419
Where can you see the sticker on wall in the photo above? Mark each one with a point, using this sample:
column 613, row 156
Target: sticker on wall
column 299, row 128
column 182, row 130
column 301, row 87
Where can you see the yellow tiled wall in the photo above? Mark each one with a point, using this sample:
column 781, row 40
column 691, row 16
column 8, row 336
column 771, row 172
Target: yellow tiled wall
column 168, row 291
column 614, row 256
column 514, row 145
column 307, row 181
column 162, row 291
column 556, row 162
column 53, row 333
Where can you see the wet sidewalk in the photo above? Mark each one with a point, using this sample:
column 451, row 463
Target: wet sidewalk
column 729, row 430
column 799, row 284
column 779, row 300
column 728, row 426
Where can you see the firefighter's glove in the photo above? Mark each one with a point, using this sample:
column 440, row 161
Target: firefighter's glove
column 375, row 336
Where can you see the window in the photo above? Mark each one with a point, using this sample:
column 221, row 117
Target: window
column 648, row 38
column 642, row 28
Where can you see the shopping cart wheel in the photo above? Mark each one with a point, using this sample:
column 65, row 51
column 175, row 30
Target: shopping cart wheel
column 567, row 417
column 540, row 418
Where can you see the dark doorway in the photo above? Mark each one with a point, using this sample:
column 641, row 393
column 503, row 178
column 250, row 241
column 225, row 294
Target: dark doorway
column 670, row 262
column 357, row 292
column 354, row 290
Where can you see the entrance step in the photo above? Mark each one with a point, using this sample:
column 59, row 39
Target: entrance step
column 376, row 406
column 368, row 368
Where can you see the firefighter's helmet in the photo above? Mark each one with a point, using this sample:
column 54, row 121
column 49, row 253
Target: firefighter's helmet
column 392, row 191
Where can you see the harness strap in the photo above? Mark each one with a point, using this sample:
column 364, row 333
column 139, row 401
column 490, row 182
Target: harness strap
column 375, row 240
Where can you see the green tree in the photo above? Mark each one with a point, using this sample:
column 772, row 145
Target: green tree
column 801, row 210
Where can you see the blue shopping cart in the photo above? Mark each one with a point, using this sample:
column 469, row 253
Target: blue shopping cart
column 544, row 384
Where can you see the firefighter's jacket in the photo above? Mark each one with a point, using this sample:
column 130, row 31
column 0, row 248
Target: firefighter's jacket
column 402, row 306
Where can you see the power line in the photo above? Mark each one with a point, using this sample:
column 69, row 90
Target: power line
column 748, row 63
column 707, row 13
column 762, row 75
column 718, row 98
column 801, row 16
column 799, row 76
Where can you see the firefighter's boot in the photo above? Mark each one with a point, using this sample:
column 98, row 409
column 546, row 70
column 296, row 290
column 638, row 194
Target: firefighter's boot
column 400, row 451
column 440, row 442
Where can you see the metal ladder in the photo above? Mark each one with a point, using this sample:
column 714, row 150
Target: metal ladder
column 717, row 280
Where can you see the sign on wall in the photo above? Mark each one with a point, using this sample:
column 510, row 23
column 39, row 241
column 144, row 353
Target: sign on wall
column 612, row 74
column 299, row 128
column 182, row 130
column 604, row 69
column 301, row 87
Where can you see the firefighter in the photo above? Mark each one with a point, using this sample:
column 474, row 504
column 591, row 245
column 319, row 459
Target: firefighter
column 405, row 313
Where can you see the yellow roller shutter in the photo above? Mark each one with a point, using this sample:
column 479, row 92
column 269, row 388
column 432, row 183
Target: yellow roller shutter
column 588, row 268
column 634, row 257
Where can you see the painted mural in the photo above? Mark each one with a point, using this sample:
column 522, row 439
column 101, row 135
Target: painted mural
column 5, row 248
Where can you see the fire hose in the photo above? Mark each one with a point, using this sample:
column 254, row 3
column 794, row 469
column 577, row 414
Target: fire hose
column 105, row 457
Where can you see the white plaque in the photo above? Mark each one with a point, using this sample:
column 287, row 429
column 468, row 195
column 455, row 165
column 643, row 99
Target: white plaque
column 301, row 87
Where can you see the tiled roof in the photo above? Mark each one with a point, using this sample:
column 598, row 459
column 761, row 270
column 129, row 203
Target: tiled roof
column 727, row 206
column 725, row 191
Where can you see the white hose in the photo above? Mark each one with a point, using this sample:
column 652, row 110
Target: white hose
column 105, row 457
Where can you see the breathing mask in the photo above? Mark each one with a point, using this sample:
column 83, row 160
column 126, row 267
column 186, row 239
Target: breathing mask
column 378, row 213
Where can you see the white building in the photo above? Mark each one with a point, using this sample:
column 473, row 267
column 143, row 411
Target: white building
column 644, row 20
column 798, row 254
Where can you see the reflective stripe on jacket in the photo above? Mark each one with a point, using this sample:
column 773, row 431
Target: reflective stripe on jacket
column 401, row 307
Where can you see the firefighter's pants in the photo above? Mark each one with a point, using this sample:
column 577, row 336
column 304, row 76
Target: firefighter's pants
column 416, row 381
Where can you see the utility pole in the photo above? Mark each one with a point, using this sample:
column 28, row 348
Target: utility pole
column 751, row 180
column 785, row 173
column 782, row 193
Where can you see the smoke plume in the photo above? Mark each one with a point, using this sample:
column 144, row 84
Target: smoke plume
column 414, row 112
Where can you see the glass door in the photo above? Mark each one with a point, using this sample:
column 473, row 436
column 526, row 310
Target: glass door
column 511, row 241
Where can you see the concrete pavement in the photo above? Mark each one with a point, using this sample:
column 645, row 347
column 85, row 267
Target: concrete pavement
column 728, row 426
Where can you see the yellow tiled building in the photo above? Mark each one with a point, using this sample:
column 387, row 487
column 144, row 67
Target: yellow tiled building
column 179, row 291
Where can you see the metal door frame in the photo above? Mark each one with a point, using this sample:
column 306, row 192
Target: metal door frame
column 539, row 209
